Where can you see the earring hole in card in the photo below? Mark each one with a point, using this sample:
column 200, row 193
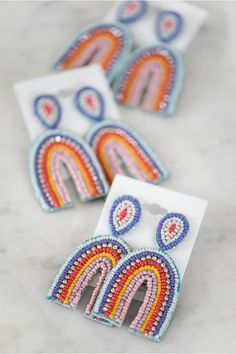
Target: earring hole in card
column 154, row 208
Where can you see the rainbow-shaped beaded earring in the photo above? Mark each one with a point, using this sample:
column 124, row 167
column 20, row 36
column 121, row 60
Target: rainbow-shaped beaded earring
column 155, row 269
column 144, row 266
column 120, row 150
column 104, row 43
column 97, row 254
column 54, row 149
column 151, row 78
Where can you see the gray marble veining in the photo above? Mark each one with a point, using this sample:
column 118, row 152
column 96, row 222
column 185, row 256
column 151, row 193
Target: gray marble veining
column 197, row 145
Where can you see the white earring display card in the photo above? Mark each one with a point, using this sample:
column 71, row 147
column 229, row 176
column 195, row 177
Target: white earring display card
column 71, row 100
column 155, row 203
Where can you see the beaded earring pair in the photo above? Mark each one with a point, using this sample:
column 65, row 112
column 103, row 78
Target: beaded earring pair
column 109, row 149
column 125, row 213
column 149, row 77
column 123, row 271
column 88, row 101
column 168, row 24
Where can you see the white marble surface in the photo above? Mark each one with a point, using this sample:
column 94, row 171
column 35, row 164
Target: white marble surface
column 197, row 145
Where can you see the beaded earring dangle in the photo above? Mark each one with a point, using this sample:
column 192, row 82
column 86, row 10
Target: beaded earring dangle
column 124, row 215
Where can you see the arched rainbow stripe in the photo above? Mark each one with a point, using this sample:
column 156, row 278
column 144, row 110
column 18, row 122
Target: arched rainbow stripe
column 97, row 254
column 151, row 78
column 144, row 266
column 48, row 154
column 105, row 43
column 120, row 150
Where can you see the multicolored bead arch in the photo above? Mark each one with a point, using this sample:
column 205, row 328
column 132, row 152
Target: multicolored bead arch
column 131, row 11
column 120, row 150
column 151, row 78
column 158, row 272
column 171, row 230
column 48, row 154
column 106, row 44
column 97, row 254
column 124, row 215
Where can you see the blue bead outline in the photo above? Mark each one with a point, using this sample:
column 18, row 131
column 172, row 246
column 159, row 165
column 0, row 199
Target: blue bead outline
column 177, row 241
column 133, row 18
column 177, row 29
column 39, row 116
column 83, row 111
column 136, row 217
